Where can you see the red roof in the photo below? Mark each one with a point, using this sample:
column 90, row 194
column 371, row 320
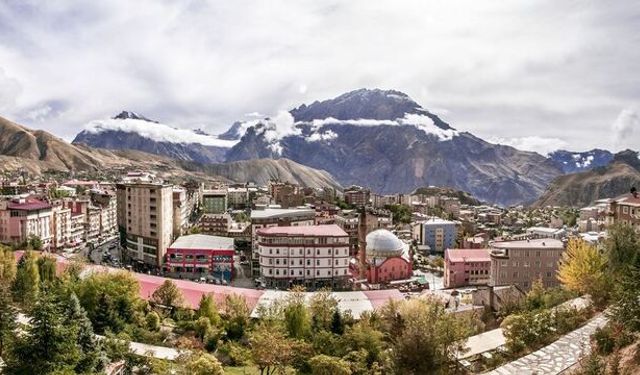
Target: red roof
column 329, row 230
column 28, row 205
column 379, row 298
column 628, row 198
column 468, row 255
column 193, row 291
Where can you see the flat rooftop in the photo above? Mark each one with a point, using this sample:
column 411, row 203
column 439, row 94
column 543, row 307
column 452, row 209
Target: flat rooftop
column 280, row 212
column 203, row 241
column 329, row 230
column 468, row 255
column 540, row 243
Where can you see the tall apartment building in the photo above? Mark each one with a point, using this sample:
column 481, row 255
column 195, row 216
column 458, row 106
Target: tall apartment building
column 275, row 217
column 523, row 262
column 315, row 256
column 357, row 196
column 145, row 219
column 436, row 233
column 181, row 212
column 23, row 217
column 61, row 226
column 214, row 201
column 106, row 201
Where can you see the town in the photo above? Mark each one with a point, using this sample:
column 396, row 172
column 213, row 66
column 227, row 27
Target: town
column 364, row 249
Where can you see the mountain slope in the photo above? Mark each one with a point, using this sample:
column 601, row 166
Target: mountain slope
column 581, row 189
column 386, row 141
column 571, row 162
column 129, row 130
column 36, row 152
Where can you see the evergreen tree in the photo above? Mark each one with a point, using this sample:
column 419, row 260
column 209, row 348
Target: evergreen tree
column 7, row 266
column 47, row 269
column 92, row 354
column 48, row 345
column 168, row 294
column 7, row 318
column 207, row 308
column 26, row 285
column 337, row 326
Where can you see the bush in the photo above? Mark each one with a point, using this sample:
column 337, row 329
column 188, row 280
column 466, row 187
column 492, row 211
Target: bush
column 234, row 354
column 605, row 343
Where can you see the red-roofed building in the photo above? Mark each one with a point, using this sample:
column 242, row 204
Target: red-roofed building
column 24, row 217
column 314, row 255
column 464, row 267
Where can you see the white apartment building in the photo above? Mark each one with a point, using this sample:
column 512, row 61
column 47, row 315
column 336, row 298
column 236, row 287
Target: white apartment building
column 315, row 256
column 61, row 226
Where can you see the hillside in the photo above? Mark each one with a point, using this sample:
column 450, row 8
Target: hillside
column 37, row 152
column 581, row 189
column 463, row 196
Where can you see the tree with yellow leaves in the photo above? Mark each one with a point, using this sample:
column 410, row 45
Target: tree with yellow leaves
column 583, row 270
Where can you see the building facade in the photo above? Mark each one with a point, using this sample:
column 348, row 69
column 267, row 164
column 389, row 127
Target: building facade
column 214, row 201
column 146, row 220
column 464, row 267
column 199, row 255
column 24, row 217
column 315, row 256
column 523, row 262
column 436, row 233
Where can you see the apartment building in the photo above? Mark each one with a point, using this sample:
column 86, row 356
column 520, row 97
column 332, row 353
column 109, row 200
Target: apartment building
column 275, row 217
column 314, row 255
column 199, row 255
column 214, row 201
column 523, row 262
column 181, row 212
column 625, row 209
column 438, row 234
column 61, row 226
column 464, row 267
column 24, row 217
column 357, row 196
column 145, row 218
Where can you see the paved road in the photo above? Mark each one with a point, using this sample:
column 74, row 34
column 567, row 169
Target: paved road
column 555, row 358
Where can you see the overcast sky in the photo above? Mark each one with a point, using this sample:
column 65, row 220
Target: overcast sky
column 537, row 74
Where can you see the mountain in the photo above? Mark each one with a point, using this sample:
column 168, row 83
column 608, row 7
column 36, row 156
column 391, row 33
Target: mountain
column 384, row 140
column 38, row 152
column 129, row 130
column 581, row 189
column 571, row 162
column 261, row 171
column 437, row 191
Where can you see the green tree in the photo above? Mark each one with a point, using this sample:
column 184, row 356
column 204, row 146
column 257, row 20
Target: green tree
column 168, row 294
column 326, row 365
column 207, row 308
column 363, row 336
column 622, row 248
column 270, row 348
column 8, row 317
column 47, row 269
column 110, row 299
column 430, row 338
column 322, row 307
column 26, row 285
column 92, row 356
column 296, row 315
column 7, row 266
column 237, row 316
column 34, row 243
column 337, row 325
column 153, row 321
column 48, row 345
column 200, row 364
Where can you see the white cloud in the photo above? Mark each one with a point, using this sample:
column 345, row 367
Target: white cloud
column 537, row 144
column 421, row 122
column 490, row 63
column 626, row 129
column 157, row 132
column 9, row 91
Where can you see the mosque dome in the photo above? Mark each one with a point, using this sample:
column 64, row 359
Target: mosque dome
column 382, row 243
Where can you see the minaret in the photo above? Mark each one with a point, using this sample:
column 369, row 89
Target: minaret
column 362, row 242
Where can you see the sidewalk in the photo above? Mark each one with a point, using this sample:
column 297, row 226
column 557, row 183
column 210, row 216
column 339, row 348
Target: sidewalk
column 555, row 358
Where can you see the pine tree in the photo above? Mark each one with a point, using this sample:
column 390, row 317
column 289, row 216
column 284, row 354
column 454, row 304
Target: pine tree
column 7, row 266
column 337, row 326
column 26, row 285
column 7, row 318
column 48, row 345
column 168, row 294
column 47, row 269
column 86, row 340
column 207, row 308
